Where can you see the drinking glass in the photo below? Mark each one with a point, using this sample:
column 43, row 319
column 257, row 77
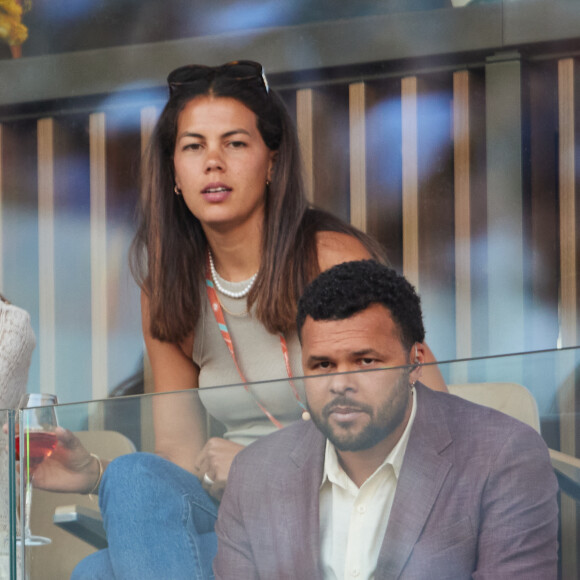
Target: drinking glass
column 35, row 441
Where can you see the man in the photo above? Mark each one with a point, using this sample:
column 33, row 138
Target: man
column 389, row 479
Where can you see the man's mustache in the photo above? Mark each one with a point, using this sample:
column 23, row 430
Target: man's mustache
column 343, row 402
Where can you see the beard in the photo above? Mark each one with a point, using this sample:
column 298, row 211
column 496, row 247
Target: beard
column 382, row 420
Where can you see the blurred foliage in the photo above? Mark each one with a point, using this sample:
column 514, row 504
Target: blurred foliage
column 12, row 31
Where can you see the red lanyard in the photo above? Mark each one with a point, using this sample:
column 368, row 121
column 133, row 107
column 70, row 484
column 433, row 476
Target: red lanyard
column 221, row 322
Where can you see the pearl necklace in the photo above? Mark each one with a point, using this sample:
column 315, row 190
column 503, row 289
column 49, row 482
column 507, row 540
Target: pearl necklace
column 223, row 290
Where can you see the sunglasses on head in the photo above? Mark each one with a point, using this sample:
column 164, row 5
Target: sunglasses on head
column 238, row 70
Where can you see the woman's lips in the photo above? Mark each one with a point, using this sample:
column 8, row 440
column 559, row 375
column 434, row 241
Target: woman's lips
column 215, row 193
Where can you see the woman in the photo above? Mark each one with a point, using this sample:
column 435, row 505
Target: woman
column 225, row 238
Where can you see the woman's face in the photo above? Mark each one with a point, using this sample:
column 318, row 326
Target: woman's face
column 221, row 163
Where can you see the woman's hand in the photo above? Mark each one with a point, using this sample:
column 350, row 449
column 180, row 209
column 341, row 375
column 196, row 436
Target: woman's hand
column 70, row 467
column 214, row 461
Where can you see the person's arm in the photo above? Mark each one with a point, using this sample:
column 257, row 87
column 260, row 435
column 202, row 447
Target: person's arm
column 179, row 423
column 335, row 248
column 519, row 527
column 179, row 419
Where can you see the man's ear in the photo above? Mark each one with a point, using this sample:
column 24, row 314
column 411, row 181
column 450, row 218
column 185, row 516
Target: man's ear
column 416, row 359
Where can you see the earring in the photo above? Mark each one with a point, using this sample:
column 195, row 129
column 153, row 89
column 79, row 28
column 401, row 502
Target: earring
column 177, row 190
column 267, row 183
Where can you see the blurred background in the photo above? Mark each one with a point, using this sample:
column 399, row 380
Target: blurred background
column 447, row 129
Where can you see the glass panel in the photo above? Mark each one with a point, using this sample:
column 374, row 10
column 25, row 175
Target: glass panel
column 7, row 496
column 538, row 388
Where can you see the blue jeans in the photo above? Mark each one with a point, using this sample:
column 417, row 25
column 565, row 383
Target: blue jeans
column 159, row 523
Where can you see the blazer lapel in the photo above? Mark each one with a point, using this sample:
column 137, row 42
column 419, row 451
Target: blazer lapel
column 303, row 507
column 422, row 475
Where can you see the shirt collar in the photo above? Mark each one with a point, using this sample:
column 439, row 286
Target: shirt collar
column 334, row 473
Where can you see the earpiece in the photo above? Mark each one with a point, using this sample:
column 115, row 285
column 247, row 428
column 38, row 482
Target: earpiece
column 415, row 362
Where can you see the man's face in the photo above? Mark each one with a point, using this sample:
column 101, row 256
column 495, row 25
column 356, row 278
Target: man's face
column 358, row 411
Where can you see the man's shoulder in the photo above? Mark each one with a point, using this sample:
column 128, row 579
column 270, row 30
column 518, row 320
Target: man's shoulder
column 277, row 445
column 472, row 423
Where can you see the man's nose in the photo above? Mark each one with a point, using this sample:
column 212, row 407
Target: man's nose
column 341, row 383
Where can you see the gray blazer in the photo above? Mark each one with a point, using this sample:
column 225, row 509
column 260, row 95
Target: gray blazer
column 476, row 498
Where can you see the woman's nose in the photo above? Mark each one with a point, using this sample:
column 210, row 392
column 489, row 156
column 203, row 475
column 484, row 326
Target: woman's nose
column 213, row 161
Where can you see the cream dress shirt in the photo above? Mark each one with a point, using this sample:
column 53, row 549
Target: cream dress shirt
column 353, row 520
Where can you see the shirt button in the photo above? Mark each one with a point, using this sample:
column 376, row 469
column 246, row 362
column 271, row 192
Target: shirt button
column 361, row 509
column 355, row 572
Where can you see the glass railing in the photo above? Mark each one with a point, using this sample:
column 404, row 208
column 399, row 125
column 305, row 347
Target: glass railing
column 7, row 497
column 538, row 388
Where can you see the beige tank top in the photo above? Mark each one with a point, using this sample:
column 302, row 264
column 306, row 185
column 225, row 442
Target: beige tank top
column 260, row 357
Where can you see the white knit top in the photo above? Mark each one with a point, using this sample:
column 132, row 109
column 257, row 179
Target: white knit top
column 17, row 342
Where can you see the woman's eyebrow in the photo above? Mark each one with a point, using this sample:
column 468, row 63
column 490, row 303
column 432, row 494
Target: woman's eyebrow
column 235, row 132
column 194, row 135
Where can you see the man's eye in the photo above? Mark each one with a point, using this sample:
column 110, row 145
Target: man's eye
column 323, row 366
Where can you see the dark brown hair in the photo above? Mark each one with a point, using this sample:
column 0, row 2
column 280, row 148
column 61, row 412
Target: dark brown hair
column 169, row 248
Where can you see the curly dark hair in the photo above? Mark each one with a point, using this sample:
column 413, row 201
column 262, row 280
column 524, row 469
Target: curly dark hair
column 352, row 287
